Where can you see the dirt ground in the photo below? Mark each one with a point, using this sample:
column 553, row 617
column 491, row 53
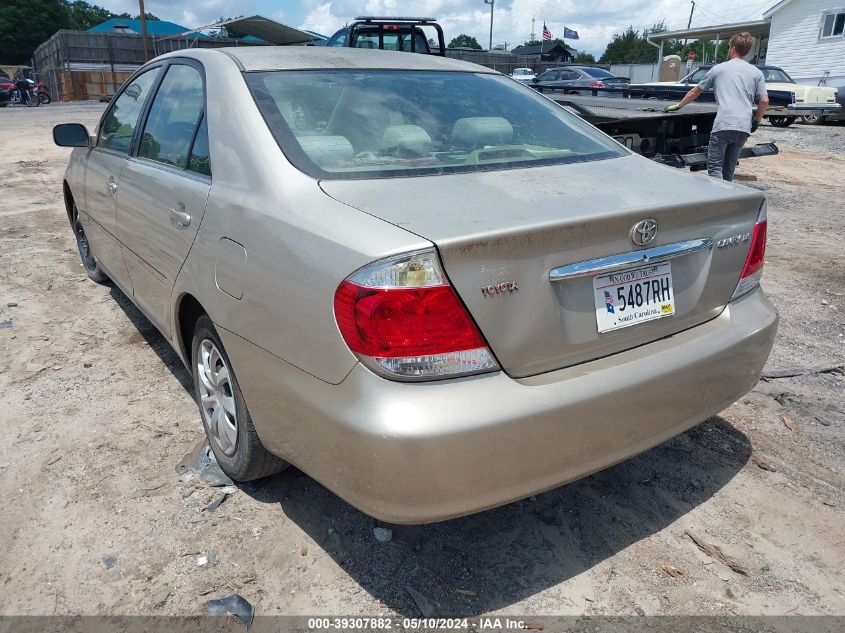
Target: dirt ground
column 96, row 412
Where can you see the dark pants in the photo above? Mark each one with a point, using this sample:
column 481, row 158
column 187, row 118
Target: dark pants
column 723, row 153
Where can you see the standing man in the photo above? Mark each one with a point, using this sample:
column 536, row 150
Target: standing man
column 736, row 85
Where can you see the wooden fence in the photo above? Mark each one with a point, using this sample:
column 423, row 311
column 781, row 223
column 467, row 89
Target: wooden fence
column 84, row 65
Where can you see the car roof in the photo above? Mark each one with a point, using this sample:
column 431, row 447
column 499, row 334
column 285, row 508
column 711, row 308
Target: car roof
column 251, row 58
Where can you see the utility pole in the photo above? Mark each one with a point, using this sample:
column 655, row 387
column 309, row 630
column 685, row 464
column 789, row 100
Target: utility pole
column 492, row 3
column 144, row 30
column 689, row 22
column 532, row 29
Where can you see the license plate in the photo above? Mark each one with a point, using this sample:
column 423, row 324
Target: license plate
column 629, row 297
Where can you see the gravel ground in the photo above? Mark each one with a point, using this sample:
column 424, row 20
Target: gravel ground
column 96, row 413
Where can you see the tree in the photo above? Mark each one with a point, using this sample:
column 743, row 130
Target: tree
column 83, row 15
column 464, row 41
column 24, row 24
column 632, row 47
column 585, row 58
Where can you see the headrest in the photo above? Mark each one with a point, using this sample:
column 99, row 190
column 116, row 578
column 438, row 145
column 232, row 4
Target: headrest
column 326, row 151
column 476, row 132
column 406, row 138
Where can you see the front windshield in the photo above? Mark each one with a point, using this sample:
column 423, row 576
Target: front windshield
column 338, row 124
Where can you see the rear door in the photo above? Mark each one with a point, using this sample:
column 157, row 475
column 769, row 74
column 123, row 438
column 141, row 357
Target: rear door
column 164, row 188
column 102, row 168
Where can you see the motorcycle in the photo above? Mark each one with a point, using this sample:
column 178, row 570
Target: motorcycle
column 11, row 94
column 40, row 90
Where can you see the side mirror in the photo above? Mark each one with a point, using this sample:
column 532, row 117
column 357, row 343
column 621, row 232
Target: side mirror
column 71, row 135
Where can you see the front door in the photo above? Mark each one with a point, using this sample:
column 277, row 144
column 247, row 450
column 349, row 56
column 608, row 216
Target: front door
column 101, row 171
column 164, row 188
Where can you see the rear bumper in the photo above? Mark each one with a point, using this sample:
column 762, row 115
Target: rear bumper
column 414, row 453
column 828, row 108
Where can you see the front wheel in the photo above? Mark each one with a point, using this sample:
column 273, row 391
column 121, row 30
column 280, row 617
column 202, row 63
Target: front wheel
column 33, row 101
column 44, row 98
column 89, row 262
column 227, row 423
column 782, row 121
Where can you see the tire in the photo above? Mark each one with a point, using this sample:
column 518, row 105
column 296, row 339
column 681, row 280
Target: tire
column 782, row 121
column 44, row 98
column 89, row 261
column 33, row 101
column 227, row 423
column 813, row 119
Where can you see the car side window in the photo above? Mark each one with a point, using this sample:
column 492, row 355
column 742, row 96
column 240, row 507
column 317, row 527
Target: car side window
column 569, row 74
column 174, row 116
column 200, row 162
column 119, row 124
column 697, row 76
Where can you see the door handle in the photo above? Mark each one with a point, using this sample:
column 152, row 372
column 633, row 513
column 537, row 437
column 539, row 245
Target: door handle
column 112, row 186
column 178, row 216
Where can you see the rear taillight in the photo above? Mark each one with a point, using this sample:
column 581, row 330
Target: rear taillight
column 402, row 318
column 597, row 84
column 753, row 269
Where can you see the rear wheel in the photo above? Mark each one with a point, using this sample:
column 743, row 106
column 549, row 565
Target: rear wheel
column 226, row 421
column 813, row 119
column 44, row 98
column 782, row 121
column 89, row 262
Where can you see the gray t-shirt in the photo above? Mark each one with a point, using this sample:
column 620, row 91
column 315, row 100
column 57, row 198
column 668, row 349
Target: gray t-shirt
column 738, row 86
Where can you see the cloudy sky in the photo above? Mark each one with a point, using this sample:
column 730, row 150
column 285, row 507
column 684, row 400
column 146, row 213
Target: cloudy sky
column 595, row 20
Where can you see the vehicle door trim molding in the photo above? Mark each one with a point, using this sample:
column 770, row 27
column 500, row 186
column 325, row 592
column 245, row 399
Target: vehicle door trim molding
column 624, row 260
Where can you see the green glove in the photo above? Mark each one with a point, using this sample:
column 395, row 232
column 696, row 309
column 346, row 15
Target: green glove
column 673, row 108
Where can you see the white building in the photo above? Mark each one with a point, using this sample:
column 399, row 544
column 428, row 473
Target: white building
column 807, row 39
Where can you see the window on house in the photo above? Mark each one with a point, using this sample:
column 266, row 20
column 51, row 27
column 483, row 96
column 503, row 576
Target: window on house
column 833, row 24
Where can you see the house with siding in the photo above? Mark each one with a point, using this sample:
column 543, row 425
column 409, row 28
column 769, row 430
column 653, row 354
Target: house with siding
column 807, row 40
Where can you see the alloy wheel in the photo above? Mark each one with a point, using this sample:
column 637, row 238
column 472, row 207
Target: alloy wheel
column 217, row 399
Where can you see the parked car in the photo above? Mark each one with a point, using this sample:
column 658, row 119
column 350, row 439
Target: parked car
column 830, row 115
column 782, row 89
column 584, row 80
column 525, row 75
column 340, row 247
column 390, row 34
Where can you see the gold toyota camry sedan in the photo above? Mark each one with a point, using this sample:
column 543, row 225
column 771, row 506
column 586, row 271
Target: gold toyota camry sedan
column 427, row 286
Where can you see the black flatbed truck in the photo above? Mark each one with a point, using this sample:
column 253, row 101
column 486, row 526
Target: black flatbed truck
column 678, row 139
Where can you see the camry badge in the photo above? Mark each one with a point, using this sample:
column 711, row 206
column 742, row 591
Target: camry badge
column 644, row 232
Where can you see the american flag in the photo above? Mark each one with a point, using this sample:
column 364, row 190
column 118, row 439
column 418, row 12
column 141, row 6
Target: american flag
column 547, row 34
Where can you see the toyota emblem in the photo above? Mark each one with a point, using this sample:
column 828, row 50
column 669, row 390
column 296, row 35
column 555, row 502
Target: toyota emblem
column 644, row 232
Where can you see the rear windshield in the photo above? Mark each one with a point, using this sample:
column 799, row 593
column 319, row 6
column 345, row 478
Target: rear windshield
column 776, row 75
column 343, row 124
column 597, row 72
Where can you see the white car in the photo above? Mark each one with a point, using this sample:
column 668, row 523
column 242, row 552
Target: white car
column 525, row 75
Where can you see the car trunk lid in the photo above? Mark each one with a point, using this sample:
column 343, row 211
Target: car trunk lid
column 501, row 233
